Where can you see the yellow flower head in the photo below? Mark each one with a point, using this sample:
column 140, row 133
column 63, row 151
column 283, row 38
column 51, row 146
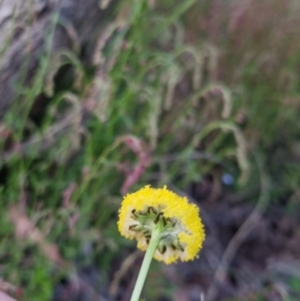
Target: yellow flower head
column 182, row 231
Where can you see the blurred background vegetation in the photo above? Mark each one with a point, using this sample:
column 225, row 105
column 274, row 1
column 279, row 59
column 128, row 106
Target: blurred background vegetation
column 203, row 96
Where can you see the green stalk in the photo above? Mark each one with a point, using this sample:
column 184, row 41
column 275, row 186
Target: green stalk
column 155, row 237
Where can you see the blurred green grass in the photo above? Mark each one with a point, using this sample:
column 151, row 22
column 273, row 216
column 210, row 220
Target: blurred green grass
column 193, row 100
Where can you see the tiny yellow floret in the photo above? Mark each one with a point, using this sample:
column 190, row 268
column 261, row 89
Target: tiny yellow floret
column 182, row 233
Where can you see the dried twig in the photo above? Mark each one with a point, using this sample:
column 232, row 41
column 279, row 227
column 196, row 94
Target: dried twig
column 242, row 233
column 127, row 263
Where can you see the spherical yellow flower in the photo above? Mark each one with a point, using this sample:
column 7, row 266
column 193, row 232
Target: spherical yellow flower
column 182, row 232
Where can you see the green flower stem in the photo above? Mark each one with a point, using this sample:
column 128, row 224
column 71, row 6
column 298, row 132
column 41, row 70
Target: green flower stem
column 155, row 237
